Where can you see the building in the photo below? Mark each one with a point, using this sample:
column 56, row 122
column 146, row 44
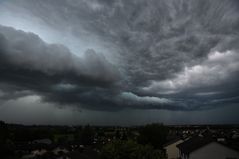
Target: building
column 43, row 141
column 204, row 148
column 171, row 149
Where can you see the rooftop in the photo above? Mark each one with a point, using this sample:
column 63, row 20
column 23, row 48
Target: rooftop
column 193, row 143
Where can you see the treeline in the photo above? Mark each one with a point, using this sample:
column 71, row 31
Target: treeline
column 145, row 142
column 148, row 144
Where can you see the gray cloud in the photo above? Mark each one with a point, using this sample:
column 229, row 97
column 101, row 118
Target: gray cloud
column 29, row 52
column 155, row 54
column 57, row 75
column 217, row 69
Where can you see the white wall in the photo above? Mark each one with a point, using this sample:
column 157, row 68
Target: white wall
column 214, row 151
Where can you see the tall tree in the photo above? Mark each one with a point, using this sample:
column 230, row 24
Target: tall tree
column 153, row 134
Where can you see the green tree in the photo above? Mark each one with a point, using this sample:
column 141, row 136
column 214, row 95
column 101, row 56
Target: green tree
column 119, row 149
column 87, row 135
column 6, row 145
column 153, row 134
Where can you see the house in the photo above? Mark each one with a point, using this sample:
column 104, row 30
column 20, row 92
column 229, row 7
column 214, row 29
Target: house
column 171, row 148
column 43, row 141
column 60, row 150
column 88, row 153
column 206, row 148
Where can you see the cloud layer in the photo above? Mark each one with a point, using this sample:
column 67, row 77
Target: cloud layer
column 155, row 54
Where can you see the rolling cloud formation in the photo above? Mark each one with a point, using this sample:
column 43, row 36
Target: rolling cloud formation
column 114, row 54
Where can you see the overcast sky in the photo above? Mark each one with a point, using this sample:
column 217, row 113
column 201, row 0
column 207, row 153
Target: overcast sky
column 119, row 62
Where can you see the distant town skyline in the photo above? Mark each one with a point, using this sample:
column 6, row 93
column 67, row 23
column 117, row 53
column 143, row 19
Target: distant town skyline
column 119, row 62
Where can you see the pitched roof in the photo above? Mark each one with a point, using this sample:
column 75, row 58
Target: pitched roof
column 43, row 141
column 172, row 141
column 193, row 144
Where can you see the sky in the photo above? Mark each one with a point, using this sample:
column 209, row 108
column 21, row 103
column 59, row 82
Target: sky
column 119, row 62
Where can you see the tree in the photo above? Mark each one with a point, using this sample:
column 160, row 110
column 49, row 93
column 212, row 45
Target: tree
column 119, row 149
column 117, row 134
column 6, row 145
column 153, row 134
column 3, row 131
column 87, row 135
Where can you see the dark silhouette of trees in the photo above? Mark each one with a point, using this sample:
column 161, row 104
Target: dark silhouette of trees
column 153, row 134
column 120, row 149
column 117, row 134
column 85, row 135
column 6, row 144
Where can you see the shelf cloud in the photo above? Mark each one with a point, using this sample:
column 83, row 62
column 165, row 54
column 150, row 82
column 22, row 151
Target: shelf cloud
column 110, row 55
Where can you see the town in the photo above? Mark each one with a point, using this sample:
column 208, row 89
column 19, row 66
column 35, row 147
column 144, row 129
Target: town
column 152, row 141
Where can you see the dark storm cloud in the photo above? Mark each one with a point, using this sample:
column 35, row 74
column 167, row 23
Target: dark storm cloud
column 171, row 54
column 53, row 72
column 162, row 35
column 28, row 63
column 28, row 52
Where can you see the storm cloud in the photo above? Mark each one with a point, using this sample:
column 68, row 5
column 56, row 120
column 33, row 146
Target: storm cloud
column 112, row 55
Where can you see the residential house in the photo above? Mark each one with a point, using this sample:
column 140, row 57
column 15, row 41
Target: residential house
column 205, row 148
column 171, row 148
